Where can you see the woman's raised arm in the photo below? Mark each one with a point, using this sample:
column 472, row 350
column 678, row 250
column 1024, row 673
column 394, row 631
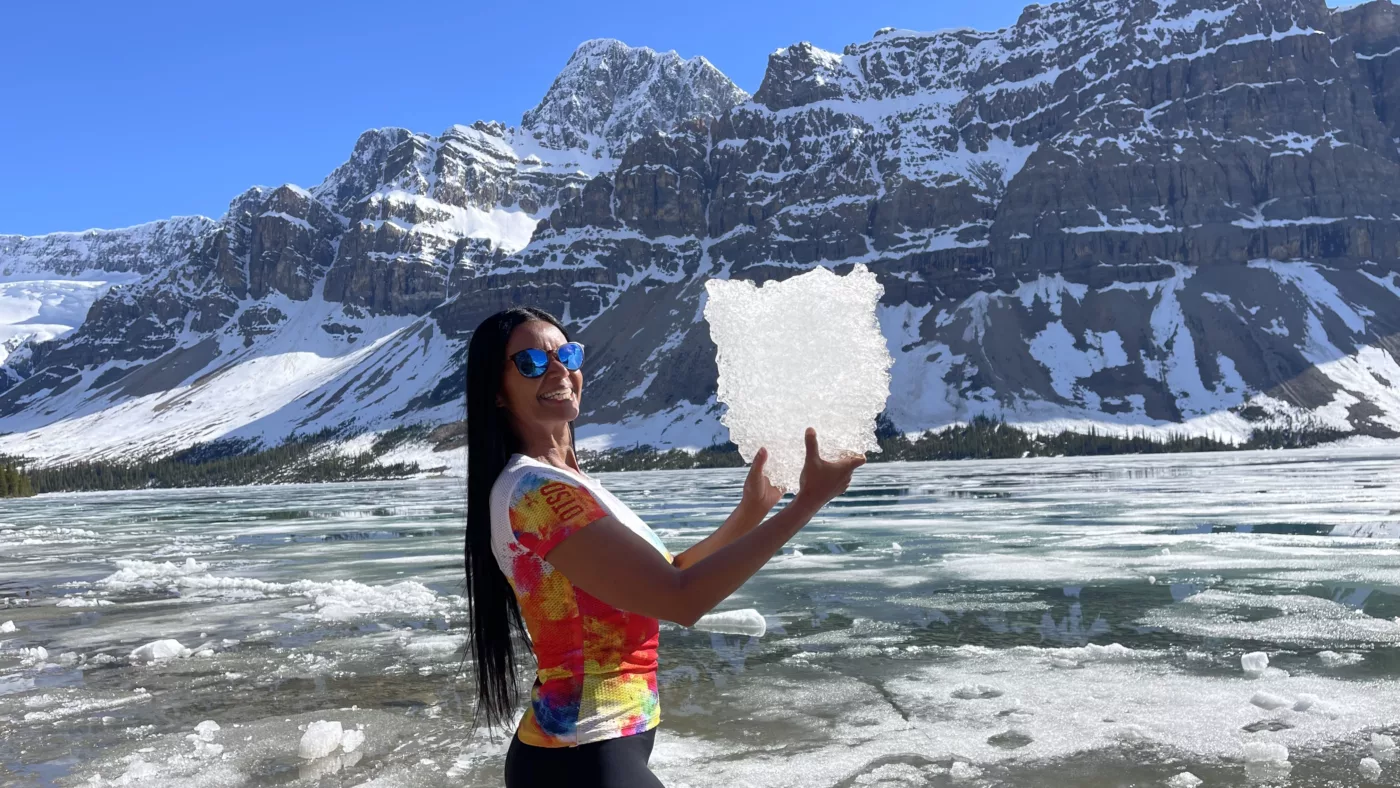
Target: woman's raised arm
column 610, row 562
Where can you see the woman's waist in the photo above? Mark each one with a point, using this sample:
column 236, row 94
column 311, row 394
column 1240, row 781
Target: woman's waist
column 591, row 671
column 596, row 656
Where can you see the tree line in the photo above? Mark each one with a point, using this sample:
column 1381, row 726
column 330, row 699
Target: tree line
column 312, row 458
column 983, row 438
column 218, row 464
column 13, row 482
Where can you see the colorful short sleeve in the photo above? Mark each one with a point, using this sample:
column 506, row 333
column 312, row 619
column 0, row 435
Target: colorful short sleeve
column 546, row 508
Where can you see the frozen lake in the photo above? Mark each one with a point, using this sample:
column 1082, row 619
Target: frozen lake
column 1075, row 622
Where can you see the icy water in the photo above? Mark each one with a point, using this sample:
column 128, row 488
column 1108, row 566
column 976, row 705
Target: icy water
column 1014, row 623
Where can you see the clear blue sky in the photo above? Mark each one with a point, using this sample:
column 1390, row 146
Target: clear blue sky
column 119, row 113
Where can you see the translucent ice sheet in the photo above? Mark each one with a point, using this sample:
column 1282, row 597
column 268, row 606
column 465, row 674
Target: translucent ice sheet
column 803, row 352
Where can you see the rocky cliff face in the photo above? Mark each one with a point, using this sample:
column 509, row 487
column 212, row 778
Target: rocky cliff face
column 137, row 250
column 1131, row 214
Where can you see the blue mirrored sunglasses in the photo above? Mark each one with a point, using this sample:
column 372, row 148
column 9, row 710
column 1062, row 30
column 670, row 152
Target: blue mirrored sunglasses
column 532, row 362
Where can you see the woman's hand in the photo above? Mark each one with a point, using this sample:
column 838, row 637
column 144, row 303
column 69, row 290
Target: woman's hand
column 822, row 480
column 759, row 494
column 757, row 500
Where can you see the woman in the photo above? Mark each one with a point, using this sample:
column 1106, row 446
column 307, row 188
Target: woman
column 550, row 552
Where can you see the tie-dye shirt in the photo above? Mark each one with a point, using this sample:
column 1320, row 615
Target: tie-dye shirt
column 597, row 664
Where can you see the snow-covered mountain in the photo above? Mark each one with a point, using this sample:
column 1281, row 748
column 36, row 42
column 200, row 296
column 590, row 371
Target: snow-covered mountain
column 1130, row 214
column 48, row 282
column 305, row 309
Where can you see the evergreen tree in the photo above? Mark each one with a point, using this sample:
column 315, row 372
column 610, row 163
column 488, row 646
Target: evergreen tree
column 13, row 481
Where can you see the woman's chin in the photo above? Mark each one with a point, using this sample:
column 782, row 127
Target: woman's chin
column 557, row 411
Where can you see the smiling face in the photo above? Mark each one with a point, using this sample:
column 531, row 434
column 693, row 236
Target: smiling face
column 549, row 400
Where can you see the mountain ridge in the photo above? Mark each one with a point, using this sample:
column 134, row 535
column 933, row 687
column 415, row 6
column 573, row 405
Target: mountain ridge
column 1072, row 217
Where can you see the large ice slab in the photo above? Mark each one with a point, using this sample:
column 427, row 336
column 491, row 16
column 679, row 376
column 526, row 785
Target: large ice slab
column 321, row 739
column 734, row 622
column 803, row 352
column 159, row 651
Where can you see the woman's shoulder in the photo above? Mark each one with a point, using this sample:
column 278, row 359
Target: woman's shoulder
column 521, row 468
column 509, row 475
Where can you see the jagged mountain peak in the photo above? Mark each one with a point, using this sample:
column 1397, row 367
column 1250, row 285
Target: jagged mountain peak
column 1374, row 18
column 609, row 93
column 1092, row 38
column 802, row 74
column 362, row 172
column 594, row 47
column 1354, row 5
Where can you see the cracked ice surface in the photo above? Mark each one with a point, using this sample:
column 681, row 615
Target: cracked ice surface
column 1010, row 623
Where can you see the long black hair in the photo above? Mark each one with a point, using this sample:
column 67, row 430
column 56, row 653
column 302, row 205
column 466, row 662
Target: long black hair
column 491, row 604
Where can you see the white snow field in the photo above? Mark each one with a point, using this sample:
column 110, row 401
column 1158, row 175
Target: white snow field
column 37, row 310
column 48, row 282
column 1057, row 622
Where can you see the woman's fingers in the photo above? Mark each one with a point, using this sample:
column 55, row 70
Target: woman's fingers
column 756, row 467
column 757, row 484
column 756, row 470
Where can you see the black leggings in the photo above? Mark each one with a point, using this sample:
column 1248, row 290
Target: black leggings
column 613, row 763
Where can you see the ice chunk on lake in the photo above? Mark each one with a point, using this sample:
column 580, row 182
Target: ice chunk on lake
column 8, row 626
column 1255, row 662
column 1269, row 701
column 321, row 739
column 1184, row 780
column 352, row 740
column 159, row 651
column 1370, row 768
column 1382, row 745
column 803, row 352
column 1332, row 659
column 206, row 730
column 313, row 771
column 962, row 770
column 1265, row 752
column 734, row 622
column 137, row 772
column 1092, row 652
column 1367, row 530
column 976, row 692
